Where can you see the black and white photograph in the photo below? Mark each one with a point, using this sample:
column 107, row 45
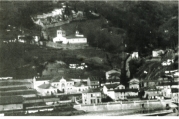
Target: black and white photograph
column 89, row 58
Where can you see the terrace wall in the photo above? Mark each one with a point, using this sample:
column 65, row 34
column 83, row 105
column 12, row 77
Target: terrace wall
column 65, row 46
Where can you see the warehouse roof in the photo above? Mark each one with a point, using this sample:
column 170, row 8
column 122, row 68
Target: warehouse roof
column 11, row 100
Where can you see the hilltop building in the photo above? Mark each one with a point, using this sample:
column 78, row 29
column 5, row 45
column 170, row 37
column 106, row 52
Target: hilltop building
column 70, row 39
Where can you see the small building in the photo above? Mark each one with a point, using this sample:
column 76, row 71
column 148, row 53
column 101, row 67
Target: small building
column 135, row 55
column 93, row 96
column 80, row 87
column 108, row 89
column 69, row 39
column 134, row 83
column 11, row 103
column 167, row 85
column 153, row 94
column 93, row 82
column 21, row 38
column 157, row 53
column 121, row 94
column 175, row 95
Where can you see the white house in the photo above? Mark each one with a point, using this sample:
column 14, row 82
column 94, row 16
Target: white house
column 108, row 89
column 135, row 55
column 134, row 84
column 71, row 39
column 53, row 86
column 175, row 95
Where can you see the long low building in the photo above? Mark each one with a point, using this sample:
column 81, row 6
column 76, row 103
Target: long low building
column 11, row 103
column 24, row 93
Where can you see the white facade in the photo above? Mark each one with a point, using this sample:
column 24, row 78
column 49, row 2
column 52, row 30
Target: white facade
column 135, row 55
column 134, row 84
column 61, row 37
column 67, row 86
column 157, row 53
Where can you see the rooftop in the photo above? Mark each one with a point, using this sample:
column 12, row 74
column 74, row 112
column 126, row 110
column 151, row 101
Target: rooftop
column 7, row 83
column 44, row 78
column 111, row 85
column 44, row 86
column 175, row 90
column 94, row 78
column 22, row 92
column 168, row 83
column 11, row 100
column 93, row 90
column 126, row 90
column 74, row 36
column 13, row 88
column 79, row 84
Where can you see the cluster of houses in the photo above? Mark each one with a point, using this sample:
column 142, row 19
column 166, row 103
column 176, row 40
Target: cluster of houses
column 57, row 15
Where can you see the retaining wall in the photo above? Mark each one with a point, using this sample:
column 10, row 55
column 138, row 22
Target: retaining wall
column 120, row 106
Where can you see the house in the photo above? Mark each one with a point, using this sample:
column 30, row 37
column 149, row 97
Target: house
column 175, row 95
column 135, row 55
column 153, row 94
column 93, row 82
column 21, row 38
column 157, row 53
column 149, row 83
column 112, row 87
column 134, row 83
column 108, row 89
column 11, row 103
column 70, row 39
column 93, row 96
column 167, row 85
column 121, row 94
column 166, row 88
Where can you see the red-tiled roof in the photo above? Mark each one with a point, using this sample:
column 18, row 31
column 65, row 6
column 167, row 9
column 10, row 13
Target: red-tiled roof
column 126, row 90
column 7, row 83
column 79, row 84
column 111, row 86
